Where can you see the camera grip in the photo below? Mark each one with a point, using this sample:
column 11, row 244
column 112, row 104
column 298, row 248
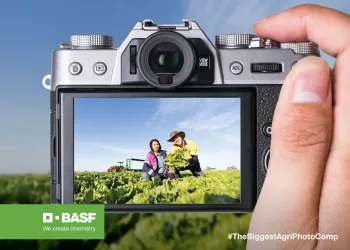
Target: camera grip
column 266, row 101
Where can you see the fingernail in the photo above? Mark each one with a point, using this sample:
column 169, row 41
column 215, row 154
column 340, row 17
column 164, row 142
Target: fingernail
column 311, row 83
column 260, row 21
column 265, row 19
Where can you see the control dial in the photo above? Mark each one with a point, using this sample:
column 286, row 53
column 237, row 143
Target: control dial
column 91, row 41
column 302, row 48
column 237, row 41
column 233, row 40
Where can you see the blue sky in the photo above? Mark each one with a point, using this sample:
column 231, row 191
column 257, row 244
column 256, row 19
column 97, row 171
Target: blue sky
column 108, row 130
column 31, row 30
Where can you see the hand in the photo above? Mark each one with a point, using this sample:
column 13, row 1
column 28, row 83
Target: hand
column 307, row 187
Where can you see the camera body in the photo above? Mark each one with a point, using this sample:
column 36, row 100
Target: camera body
column 172, row 60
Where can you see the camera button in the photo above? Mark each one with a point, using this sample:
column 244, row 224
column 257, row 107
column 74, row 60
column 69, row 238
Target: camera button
column 75, row 68
column 204, row 63
column 266, row 159
column 267, row 129
column 100, row 68
column 236, row 68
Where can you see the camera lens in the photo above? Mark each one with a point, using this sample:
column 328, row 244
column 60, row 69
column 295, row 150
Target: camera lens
column 166, row 58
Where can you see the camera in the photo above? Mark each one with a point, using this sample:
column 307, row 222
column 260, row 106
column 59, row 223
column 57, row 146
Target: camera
column 168, row 121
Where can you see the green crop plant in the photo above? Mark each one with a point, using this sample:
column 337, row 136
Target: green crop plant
column 178, row 159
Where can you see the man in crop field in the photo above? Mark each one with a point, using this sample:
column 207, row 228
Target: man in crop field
column 179, row 142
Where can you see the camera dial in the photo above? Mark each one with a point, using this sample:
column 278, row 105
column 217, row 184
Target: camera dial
column 91, row 42
column 247, row 41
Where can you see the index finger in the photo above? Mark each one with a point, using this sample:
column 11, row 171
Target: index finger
column 329, row 28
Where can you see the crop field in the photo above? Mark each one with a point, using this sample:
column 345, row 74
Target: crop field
column 217, row 187
column 139, row 231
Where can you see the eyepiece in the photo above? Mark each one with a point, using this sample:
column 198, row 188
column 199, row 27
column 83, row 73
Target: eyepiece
column 166, row 59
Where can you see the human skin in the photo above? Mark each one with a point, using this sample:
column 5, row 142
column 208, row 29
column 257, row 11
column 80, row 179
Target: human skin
column 179, row 141
column 155, row 146
column 307, row 187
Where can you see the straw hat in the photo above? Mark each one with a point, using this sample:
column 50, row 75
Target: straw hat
column 176, row 133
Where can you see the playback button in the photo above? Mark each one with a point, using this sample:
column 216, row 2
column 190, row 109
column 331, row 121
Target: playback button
column 100, row 68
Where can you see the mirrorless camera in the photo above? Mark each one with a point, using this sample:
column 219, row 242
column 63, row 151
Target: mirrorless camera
column 107, row 105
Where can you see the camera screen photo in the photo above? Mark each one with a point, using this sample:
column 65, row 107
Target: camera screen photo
column 157, row 150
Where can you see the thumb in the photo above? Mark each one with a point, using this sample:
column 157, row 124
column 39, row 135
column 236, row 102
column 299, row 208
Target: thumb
column 302, row 129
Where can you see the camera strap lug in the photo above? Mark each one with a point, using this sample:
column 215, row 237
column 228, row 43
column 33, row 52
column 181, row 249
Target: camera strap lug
column 45, row 82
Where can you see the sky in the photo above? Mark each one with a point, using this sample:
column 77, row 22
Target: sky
column 31, row 30
column 110, row 130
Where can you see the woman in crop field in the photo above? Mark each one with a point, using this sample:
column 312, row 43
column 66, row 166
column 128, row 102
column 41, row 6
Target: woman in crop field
column 154, row 163
column 178, row 138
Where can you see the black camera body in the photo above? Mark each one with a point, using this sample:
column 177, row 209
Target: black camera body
column 171, row 61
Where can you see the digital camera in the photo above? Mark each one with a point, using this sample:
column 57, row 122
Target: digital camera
column 166, row 122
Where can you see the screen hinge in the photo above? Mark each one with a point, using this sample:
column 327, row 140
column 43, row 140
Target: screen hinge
column 58, row 111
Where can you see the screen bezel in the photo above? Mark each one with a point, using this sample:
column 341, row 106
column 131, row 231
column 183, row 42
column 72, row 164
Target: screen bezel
column 65, row 143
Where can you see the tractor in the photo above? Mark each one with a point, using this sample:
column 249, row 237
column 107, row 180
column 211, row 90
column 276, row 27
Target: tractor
column 134, row 165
